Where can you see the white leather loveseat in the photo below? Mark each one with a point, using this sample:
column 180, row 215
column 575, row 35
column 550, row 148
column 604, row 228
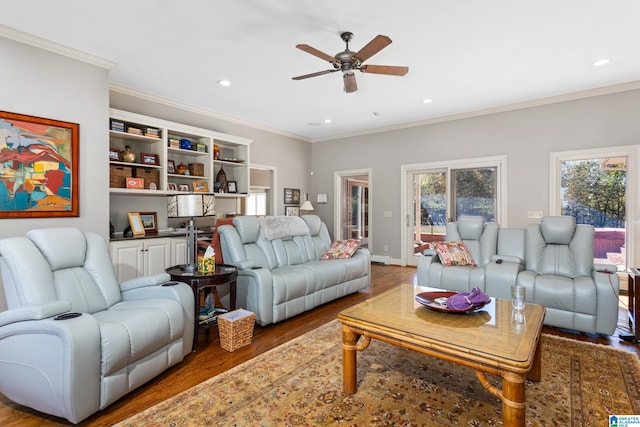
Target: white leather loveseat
column 553, row 260
column 73, row 340
column 281, row 273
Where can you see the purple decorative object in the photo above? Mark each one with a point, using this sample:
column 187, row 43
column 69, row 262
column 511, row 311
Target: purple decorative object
column 468, row 300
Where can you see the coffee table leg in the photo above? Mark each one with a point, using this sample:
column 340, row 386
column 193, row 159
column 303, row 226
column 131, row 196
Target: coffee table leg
column 349, row 360
column 513, row 401
column 535, row 374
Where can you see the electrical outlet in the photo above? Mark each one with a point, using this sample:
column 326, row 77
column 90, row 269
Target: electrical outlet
column 385, row 248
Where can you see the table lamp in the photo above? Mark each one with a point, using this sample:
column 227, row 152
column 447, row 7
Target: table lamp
column 191, row 205
column 306, row 206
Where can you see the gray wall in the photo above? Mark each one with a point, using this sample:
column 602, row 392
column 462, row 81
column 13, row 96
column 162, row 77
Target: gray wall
column 40, row 83
column 526, row 137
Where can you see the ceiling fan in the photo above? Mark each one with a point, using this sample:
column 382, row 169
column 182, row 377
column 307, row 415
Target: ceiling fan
column 349, row 61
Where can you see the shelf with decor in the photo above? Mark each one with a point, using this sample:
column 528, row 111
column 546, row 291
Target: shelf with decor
column 165, row 157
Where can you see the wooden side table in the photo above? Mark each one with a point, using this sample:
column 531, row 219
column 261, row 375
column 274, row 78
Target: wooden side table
column 224, row 275
column 634, row 305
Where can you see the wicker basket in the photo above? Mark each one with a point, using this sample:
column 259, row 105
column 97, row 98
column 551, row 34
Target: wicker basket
column 149, row 176
column 236, row 329
column 118, row 176
column 196, row 169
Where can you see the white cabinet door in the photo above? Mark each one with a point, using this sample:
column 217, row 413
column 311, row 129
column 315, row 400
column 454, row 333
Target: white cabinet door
column 135, row 258
column 178, row 251
column 128, row 259
column 157, row 256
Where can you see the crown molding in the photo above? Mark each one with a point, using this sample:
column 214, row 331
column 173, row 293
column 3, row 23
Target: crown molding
column 605, row 90
column 198, row 110
column 30, row 39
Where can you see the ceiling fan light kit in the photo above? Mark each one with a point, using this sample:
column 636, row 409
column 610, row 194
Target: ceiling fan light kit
column 348, row 61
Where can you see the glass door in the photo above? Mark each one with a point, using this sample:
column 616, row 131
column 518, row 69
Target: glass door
column 355, row 217
column 438, row 196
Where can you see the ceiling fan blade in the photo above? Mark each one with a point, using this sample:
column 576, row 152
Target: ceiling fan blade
column 316, row 52
column 378, row 43
column 350, row 84
column 319, row 73
column 385, row 69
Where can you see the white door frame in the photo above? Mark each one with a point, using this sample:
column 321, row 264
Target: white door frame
column 406, row 211
column 631, row 152
column 273, row 185
column 338, row 176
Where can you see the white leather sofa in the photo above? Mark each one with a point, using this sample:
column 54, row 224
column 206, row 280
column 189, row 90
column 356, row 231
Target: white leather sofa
column 282, row 276
column 553, row 260
column 123, row 335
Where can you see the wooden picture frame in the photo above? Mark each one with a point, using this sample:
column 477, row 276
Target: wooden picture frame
column 135, row 222
column 232, row 187
column 39, row 168
column 149, row 222
column 291, row 196
column 183, row 187
column 114, row 154
column 171, row 166
column 149, row 159
column 200, row 187
column 172, row 186
column 134, row 183
column 292, row 211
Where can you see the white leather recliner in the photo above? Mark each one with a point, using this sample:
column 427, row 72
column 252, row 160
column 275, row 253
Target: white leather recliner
column 125, row 334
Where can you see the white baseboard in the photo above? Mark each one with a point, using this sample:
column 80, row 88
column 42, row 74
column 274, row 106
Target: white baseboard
column 381, row 259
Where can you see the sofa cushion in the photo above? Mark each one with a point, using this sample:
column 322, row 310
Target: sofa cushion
column 453, row 253
column 341, row 249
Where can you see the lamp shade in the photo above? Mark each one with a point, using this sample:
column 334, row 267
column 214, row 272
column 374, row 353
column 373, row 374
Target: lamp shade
column 306, row 206
column 190, row 205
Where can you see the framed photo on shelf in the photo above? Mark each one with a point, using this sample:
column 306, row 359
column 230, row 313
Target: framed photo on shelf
column 135, row 222
column 292, row 211
column 232, row 187
column 172, row 186
column 149, row 222
column 200, row 187
column 183, row 187
column 291, row 196
column 114, row 154
column 34, row 148
column 149, row 159
column 171, row 166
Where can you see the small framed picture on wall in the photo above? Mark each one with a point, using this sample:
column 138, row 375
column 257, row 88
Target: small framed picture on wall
column 292, row 211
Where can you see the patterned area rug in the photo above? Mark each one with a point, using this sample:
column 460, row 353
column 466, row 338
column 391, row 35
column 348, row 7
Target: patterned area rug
column 300, row 384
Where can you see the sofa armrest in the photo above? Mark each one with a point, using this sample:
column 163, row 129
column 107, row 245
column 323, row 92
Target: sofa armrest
column 499, row 259
column 34, row 312
column 255, row 293
column 500, row 276
column 424, row 264
column 144, row 281
column 430, row 252
column 604, row 268
column 607, row 291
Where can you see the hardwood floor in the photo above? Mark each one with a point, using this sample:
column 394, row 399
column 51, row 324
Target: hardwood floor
column 211, row 359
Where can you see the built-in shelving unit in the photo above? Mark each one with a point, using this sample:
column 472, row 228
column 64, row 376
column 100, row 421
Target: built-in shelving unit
column 159, row 144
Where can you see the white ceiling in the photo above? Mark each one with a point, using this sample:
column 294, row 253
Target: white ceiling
column 465, row 55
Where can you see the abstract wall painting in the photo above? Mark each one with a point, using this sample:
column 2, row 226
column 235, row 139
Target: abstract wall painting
column 38, row 167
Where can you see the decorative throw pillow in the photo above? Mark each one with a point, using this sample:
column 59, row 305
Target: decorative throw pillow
column 453, row 253
column 342, row 249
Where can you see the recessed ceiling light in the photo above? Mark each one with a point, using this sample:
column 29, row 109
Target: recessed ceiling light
column 600, row 62
column 327, row 121
column 224, row 82
column 427, row 101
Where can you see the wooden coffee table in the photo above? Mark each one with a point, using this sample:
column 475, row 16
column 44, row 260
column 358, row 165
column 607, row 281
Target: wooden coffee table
column 489, row 341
